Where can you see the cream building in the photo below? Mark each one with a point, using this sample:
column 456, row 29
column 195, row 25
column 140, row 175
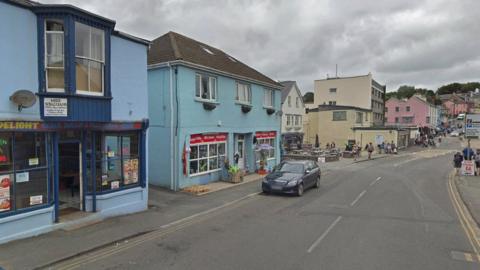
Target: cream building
column 293, row 111
column 358, row 91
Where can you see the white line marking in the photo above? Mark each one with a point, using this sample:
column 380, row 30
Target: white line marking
column 358, row 197
column 375, row 181
column 324, row 234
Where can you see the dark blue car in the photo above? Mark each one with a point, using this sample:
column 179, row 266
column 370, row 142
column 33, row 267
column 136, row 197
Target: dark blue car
column 292, row 177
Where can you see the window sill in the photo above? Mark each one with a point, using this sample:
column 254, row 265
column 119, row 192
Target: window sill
column 209, row 101
column 243, row 103
column 204, row 173
column 270, row 110
column 60, row 95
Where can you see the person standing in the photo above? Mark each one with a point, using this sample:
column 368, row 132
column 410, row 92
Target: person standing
column 457, row 162
column 370, row 150
column 356, row 151
column 468, row 153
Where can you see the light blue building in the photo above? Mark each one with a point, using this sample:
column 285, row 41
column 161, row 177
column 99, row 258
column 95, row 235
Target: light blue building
column 205, row 106
column 73, row 118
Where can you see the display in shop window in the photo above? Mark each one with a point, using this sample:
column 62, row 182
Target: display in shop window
column 5, row 202
column 22, row 177
column 130, row 171
column 33, row 162
column 115, row 184
column 36, row 200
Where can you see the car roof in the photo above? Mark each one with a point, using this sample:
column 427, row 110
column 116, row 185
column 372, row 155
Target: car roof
column 297, row 161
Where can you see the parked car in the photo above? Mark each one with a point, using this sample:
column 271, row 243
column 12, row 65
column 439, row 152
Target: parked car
column 455, row 133
column 292, row 177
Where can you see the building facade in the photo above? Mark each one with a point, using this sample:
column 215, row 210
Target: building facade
column 359, row 91
column 415, row 111
column 293, row 111
column 206, row 108
column 455, row 104
column 73, row 117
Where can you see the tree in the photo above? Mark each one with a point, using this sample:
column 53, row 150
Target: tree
column 308, row 97
column 458, row 88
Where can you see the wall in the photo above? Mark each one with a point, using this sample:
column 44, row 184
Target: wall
column 366, row 136
column 292, row 110
column 353, row 91
column 19, row 57
column 128, row 80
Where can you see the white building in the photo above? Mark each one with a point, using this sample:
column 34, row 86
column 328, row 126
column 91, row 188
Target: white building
column 293, row 111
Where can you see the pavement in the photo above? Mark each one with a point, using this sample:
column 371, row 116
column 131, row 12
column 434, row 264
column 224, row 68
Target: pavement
column 390, row 213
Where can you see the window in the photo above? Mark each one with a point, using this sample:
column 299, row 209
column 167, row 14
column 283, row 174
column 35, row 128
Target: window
column 54, row 56
column 428, row 120
column 206, row 157
column 289, row 120
column 117, row 161
column 386, row 119
column 332, row 103
column 23, row 171
column 340, row 116
column 268, row 98
column 407, row 108
column 396, row 120
column 333, row 90
column 397, row 109
column 407, row 119
column 297, row 120
column 271, row 142
column 205, row 87
column 359, row 118
column 366, row 116
column 297, row 102
column 244, row 93
column 89, row 59
column 386, row 109
column 289, row 101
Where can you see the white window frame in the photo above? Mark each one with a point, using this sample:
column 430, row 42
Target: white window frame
column 53, row 90
column 208, row 157
column 212, row 83
column 268, row 93
column 289, row 121
column 271, row 142
column 90, row 93
column 296, row 120
column 247, row 90
column 289, row 98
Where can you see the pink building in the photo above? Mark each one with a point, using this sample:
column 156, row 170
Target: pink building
column 455, row 104
column 414, row 111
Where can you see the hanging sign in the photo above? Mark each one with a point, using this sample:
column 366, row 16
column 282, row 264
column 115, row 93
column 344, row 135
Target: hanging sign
column 5, row 182
column 265, row 134
column 56, row 107
column 208, row 138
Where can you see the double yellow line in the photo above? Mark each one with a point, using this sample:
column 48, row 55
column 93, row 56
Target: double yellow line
column 464, row 216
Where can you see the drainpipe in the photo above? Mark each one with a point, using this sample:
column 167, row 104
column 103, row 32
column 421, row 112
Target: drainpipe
column 172, row 158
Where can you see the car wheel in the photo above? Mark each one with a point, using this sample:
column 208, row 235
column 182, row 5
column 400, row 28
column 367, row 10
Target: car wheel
column 265, row 192
column 317, row 182
column 300, row 190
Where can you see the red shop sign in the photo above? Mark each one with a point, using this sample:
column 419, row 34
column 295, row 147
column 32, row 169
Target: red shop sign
column 208, row 138
column 3, row 158
column 266, row 134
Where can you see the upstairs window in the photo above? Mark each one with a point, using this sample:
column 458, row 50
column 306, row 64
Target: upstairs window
column 289, row 101
column 359, row 118
column 54, row 56
column 333, row 90
column 268, row 98
column 339, row 116
column 297, row 102
column 206, row 87
column 397, row 109
column 244, row 93
column 89, row 59
column 408, row 108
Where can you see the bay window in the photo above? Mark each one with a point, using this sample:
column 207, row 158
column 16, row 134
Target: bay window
column 206, row 157
column 268, row 98
column 89, row 59
column 205, row 87
column 54, row 56
column 244, row 93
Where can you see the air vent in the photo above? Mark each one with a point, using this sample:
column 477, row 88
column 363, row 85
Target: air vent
column 208, row 51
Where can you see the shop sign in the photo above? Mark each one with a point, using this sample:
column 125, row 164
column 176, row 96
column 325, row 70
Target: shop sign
column 468, row 167
column 130, row 171
column 22, row 177
column 266, row 135
column 115, row 184
column 208, row 138
column 56, row 107
column 5, row 192
column 35, row 200
column 20, row 125
column 472, row 126
column 33, row 162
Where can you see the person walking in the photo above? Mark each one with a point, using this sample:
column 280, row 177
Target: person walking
column 477, row 162
column 370, row 150
column 389, row 149
column 468, row 153
column 356, row 151
column 457, row 162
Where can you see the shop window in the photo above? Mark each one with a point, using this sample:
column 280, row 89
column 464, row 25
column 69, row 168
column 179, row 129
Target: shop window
column 207, row 157
column 24, row 175
column 271, row 142
column 117, row 161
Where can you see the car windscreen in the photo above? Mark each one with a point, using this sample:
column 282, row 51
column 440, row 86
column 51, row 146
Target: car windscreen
column 290, row 168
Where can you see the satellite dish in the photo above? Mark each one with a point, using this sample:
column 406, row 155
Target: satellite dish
column 23, row 99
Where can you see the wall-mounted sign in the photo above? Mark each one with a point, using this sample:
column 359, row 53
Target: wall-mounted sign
column 56, row 107
column 265, row 135
column 20, row 125
column 5, row 182
column 22, row 177
column 35, row 200
column 208, row 138
column 472, row 126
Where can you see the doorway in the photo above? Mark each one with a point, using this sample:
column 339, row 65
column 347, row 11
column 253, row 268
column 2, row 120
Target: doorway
column 70, row 177
column 240, row 150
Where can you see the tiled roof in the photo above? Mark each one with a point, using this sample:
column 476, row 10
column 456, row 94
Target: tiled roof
column 173, row 46
column 287, row 85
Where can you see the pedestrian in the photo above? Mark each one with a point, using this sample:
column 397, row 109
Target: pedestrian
column 477, row 162
column 389, row 148
column 394, row 147
column 356, row 151
column 332, row 145
column 327, row 146
column 370, row 150
column 468, row 153
column 457, row 162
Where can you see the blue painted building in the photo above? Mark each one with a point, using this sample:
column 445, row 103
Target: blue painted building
column 206, row 107
column 81, row 145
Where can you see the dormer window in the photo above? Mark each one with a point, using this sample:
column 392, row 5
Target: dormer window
column 54, row 56
column 89, row 59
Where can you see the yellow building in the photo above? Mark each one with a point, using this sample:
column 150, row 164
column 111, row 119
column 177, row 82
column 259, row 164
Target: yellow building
column 376, row 135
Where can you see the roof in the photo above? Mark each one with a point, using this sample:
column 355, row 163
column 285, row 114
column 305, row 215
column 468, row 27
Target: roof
column 25, row 3
column 173, row 46
column 287, row 87
column 131, row 37
column 336, row 107
column 347, row 77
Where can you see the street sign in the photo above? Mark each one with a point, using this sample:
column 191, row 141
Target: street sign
column 472, row 126
column 468, row 167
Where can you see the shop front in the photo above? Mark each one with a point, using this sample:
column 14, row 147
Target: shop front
column 49, row 170
column 265, row 150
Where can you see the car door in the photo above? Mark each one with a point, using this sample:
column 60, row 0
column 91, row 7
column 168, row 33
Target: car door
column 308, row 176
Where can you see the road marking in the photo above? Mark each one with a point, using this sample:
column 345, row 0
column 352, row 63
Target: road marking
column 375, row 181
column 324, row 234
column 358, row 198
column 463, row 256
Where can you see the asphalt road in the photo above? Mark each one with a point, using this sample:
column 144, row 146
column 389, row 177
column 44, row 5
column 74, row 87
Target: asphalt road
column 391, row 213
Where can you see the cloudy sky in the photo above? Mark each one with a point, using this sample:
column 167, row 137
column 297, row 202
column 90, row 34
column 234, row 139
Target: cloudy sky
column 425, row 43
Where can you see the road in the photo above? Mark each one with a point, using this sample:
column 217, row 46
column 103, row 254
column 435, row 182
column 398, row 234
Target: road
column 391, row 213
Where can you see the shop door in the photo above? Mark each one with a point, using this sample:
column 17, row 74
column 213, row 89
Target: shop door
column 70, row 177
column 241, row 152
